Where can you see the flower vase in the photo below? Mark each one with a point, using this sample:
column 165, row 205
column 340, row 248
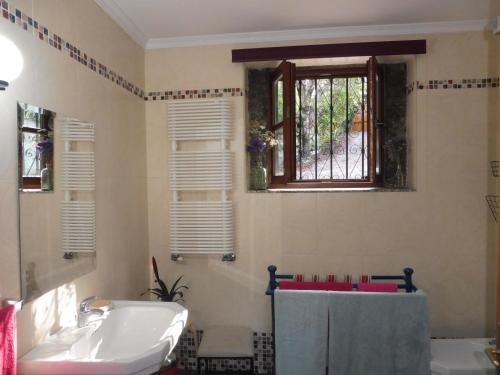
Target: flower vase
column 258, row 176
column 46, row 178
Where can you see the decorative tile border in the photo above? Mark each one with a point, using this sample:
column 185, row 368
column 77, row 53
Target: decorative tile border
column 479, row 83
column 42, row 33
column 263, row 360
column 447, row 84
column 193, row 94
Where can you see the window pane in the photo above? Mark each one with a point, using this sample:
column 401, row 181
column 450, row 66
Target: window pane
column 31, row 160
column 298, row 129
column 278, row 101
column 339, row 129
column 323, row 139
column 331, row 132
column 31, row 116
column 278, row 154
column 358, row 135
column 306, row 131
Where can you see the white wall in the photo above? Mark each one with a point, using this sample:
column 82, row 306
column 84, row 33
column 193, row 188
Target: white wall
column 54, row 81
column 443, row 230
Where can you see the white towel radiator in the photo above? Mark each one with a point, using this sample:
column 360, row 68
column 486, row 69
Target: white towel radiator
column 78, row 183
column 200, row 226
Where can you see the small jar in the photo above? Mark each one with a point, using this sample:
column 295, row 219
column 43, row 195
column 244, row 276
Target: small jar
column 46, row 178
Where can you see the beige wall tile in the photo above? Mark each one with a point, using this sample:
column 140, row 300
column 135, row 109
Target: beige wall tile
column 52, row 80
column 441, row 229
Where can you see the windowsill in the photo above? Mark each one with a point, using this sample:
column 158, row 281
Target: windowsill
column 338, row 190
column 35, row 191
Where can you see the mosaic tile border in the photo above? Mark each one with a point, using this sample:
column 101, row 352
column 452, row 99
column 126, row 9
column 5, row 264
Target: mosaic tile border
column 263, row 360
column 457, row 84
column 473, row 83
column 42, row 33
column 193, row 94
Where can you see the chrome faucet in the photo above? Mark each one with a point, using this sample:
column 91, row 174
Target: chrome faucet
column 85, row 312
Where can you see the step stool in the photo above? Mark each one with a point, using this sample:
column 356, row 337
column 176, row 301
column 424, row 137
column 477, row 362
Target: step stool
column 225, row 343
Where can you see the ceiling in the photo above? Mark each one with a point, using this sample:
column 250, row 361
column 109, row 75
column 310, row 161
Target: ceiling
column 165, row 23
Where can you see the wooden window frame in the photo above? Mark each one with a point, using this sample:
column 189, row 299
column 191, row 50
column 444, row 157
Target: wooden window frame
column 290, row 76
column 286, row 71
column 316, row 51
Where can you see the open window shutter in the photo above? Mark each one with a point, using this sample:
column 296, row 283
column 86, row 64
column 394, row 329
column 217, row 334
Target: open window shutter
column 372, row 116
column 282, row 114
column 380, row 126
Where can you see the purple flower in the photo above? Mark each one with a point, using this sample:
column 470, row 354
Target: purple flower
column 44, row 146
column 256, row 145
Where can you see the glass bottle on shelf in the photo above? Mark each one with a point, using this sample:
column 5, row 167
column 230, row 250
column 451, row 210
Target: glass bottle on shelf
column 46, row 178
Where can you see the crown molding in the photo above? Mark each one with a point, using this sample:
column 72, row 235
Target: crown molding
column 121, row 18
column 319, row 33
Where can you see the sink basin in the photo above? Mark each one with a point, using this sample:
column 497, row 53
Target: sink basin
column 133, row 338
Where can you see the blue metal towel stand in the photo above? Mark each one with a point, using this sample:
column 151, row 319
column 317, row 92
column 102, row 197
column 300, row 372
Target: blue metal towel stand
column 274, row 278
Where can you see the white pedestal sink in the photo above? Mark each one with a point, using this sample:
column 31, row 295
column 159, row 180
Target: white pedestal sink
column 133, row 338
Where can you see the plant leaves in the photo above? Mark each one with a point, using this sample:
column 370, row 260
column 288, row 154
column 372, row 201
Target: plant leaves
column 163, row 293
column 175, row 284
column 162, row 284
column 155, row 268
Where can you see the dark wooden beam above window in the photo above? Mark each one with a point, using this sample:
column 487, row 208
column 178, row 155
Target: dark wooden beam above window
column 395, row 47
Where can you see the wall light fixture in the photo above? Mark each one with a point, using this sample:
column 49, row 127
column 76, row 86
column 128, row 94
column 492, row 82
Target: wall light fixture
column 11, row 62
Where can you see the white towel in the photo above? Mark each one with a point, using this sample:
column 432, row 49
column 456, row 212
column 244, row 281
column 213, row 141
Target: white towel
column 301, row 332
column 378, row 334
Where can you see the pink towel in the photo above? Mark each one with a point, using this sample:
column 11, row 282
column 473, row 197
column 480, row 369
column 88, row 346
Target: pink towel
column 378, row 287
column 8, row 340
column 312, row 285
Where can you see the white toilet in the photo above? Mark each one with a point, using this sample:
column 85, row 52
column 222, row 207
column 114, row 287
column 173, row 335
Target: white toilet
column 460, row 357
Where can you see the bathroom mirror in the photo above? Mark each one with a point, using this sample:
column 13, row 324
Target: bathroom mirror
column 56, row 172
column 36, row 148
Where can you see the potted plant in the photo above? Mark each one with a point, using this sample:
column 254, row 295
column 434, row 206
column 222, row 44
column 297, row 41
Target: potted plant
column 259, row 143
column 163, row 293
